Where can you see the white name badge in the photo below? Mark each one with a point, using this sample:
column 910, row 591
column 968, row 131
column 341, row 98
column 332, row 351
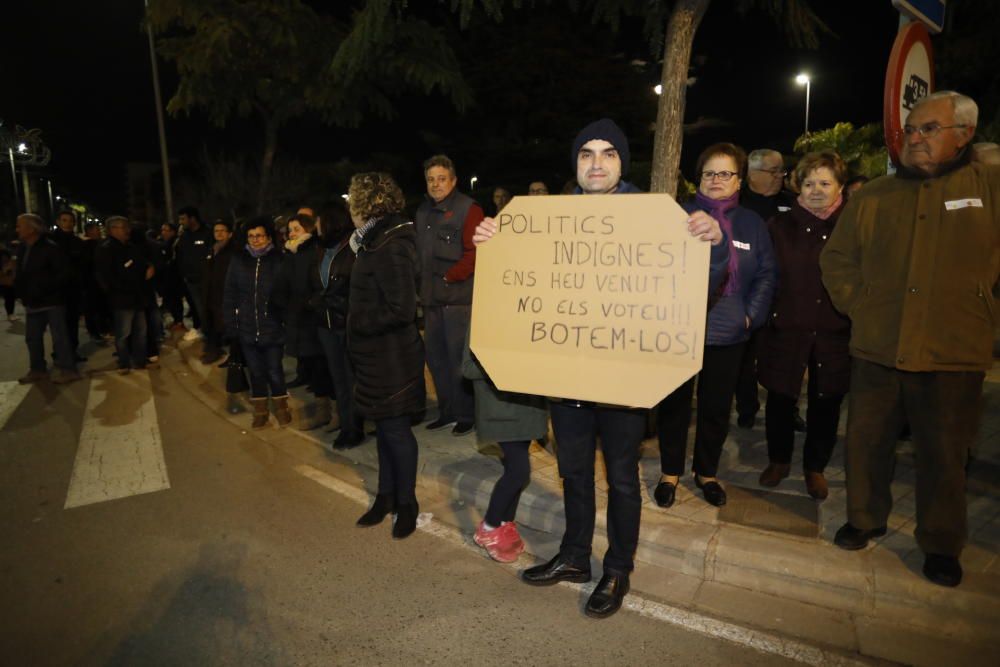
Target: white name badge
column 128, row 263
column 741, row 245
column 783, row 209
column 956, row 204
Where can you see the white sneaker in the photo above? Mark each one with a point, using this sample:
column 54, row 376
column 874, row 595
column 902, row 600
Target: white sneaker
column 192, row 334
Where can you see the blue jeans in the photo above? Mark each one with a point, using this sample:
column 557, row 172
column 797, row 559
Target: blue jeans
column 34, row 329
column 445, row 328
column 621, row 430
column 397, row 458
column 266, row 373
column 130, row 337
column 334, row 344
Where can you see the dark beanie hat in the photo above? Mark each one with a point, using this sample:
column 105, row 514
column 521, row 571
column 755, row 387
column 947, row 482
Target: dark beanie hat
column 606, row 130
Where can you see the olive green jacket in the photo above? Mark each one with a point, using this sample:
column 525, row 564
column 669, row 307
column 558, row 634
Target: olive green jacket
column 913, row 261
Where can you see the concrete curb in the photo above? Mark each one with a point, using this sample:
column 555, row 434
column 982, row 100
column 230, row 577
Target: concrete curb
column 869, row 603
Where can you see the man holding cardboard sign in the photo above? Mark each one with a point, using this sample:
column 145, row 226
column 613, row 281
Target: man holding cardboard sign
column 580, row 348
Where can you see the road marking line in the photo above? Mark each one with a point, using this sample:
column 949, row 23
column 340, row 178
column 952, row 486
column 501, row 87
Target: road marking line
column 11, row 395
column 120, row 452
column 764, row 642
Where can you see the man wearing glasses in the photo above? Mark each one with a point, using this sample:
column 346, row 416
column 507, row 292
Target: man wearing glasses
column 912, row 261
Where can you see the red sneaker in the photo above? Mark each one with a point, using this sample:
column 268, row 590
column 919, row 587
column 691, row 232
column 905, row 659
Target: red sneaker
column 511, row 543
column 486, row 538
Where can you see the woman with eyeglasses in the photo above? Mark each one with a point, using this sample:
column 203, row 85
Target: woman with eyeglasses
column 738, row 307
column 383, row 342
column 804, row 331
column 252, row 318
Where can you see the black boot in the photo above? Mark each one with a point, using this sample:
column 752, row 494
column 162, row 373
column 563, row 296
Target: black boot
column 384, row 504
column 406, row 520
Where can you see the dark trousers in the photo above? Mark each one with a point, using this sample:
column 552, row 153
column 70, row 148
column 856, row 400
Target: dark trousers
column 194, row 298
column 507, row 491
column 445, row 328
column 822, row 418
column 154, row 330
column 34, row 331
column 172, row 293
column 397, row 458
column 334, row 344
column 747, row 398
column 716, row 382
column 74, row 308
column 9, row 298
column 267, row 377
column 576, row 431
column 96, row 313
column 943, row 409
column 130, row 337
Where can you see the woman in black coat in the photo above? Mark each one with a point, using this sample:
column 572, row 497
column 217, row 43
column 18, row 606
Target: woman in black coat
column 252, row 318
column 213, row 290
column 803, row 330
column 384, row 344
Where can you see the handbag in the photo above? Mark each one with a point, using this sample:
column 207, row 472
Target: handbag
column 236, row 371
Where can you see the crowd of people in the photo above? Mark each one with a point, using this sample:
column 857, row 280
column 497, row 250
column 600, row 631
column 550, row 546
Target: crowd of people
column 882, row 292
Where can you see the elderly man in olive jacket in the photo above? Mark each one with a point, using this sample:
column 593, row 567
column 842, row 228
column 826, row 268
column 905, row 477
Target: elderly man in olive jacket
column 912, row 262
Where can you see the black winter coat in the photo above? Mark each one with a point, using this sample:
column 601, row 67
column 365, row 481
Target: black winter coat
column 192, row 249
column 249, row 314
column 76, row 250
column 331, row 302
column 382, row 338
column 121, row 272
column 803, row 322
column 214, row 284
column 292, row 293
column 43, row 274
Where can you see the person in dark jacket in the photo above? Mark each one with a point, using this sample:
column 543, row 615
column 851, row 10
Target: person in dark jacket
column 123, row 268
column 214, row 285
column 8, row 269
column 96, row 313
column 600, row 155
column 251, row 317
column 804, row 331
column 445, row 222
column 330, row 285
column 73, row 247
column 169, row 284
column 384, row 343
column 741, row 307
column 40, row 280
column 193, row 249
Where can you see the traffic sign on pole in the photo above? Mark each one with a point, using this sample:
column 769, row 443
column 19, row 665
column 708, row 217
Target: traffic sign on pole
column 909, row 77
column 928, row 12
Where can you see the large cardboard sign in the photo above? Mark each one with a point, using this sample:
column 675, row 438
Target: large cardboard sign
column 591, row 297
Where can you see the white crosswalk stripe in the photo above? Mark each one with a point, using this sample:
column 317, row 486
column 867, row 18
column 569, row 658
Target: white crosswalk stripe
column 120, row 452
column 11, row 395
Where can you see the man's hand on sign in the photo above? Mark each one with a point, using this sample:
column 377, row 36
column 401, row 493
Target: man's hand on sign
column 704, row 227
column 484, row 231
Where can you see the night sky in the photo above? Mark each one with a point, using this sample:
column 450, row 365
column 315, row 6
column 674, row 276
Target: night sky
column 80, row 72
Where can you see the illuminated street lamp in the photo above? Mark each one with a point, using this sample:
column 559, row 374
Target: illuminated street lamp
column 803, row 80
column 658, row 89
column 472, row 182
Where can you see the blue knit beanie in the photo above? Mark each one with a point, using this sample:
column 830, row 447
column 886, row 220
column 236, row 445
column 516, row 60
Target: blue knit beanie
column 606, row 130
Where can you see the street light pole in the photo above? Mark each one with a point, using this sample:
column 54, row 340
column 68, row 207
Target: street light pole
column 803, row 80
column 13, row 175
column 164, row 160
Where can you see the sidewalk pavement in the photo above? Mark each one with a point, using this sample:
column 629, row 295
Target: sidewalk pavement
column 765, row 560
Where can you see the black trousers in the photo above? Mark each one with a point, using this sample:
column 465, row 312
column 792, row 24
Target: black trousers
column 620, row 430
column 747, row 397
column 9, row 298
column 507, row 491
column 74, row 308
column 397, row 458
column 822, row 418
column 943, row 409
column 716, row 383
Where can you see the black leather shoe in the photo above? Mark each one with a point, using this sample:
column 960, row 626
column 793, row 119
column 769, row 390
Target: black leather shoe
column 381, row 507
column 664, row 494
column 746, row 421
column 349, row 440
column 851, row 538
column 798, row 423
column 295, row 382
column 406, row 520
column 554, row 571
column 608, row 596
column 463, row 428
column 943, row 570
column 713, row 492
column 441, row 423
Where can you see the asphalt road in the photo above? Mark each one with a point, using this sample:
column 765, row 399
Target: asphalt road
column 227, row 555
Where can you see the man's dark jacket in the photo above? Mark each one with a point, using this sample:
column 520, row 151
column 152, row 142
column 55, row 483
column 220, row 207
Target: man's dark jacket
column 193, row 250
column 43, row 274
column 121, row 272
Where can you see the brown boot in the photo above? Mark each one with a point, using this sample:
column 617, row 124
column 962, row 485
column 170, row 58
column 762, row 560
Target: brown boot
column 773, row 474
column 816, row 485
column 260, row 414
column 281, row 411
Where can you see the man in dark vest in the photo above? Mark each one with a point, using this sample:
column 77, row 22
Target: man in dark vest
column 445, row 223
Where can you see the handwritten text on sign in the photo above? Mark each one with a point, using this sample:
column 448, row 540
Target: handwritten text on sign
column 596, row 297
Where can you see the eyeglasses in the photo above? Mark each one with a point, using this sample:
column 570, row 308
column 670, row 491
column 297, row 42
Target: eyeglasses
column 256, row 236
column 724, row 176
column 928, row 130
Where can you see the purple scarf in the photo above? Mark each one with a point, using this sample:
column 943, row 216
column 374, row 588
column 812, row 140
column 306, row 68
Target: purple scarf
column 718, row 209
column 259, row 253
